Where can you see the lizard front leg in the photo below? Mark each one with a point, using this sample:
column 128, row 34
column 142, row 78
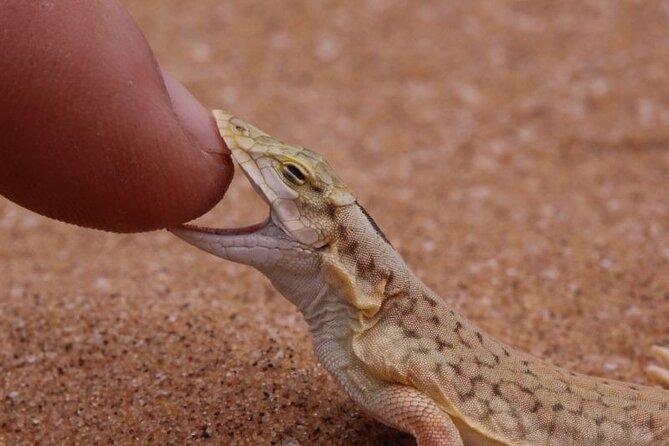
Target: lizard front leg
column 407, row 409
column 660, row 373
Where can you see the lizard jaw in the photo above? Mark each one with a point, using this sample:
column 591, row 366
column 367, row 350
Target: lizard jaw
column 244, row 230
column 245, row 244
column 253, row 149
column 262, row 245
column 193, row 233
column 255, row 244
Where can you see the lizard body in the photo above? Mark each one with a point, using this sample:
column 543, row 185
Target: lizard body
column 395, row 347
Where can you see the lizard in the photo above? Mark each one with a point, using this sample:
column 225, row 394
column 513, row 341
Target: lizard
column 399, row 351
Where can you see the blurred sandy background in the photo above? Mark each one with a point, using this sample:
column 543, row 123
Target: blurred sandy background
column 517, row 154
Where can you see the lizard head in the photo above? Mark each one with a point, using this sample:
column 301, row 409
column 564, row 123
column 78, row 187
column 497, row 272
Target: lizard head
column 302, row 190
column 298, row 184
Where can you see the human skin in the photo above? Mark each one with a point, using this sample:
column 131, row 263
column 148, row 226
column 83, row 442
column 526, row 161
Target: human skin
column 92, row 131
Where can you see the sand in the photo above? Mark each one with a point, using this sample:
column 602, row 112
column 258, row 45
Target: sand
column 516, row 153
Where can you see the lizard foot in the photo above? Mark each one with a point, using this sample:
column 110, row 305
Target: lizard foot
column 659, row 372
column 411, row 411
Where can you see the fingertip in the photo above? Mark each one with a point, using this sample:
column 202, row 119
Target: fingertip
column 195, row 118
column 208, row 155
column 101, row 138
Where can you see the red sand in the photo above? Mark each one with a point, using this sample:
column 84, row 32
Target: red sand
column 517, row 153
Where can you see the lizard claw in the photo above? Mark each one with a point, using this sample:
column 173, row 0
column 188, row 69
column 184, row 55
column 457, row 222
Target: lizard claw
column 659, row 373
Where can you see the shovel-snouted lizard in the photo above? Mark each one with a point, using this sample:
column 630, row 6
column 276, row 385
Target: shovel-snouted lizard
column 403, row 354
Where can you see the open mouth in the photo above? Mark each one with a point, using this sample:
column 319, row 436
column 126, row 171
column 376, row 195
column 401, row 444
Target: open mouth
column 253, row 175
column 250, row 229
column 256, row 154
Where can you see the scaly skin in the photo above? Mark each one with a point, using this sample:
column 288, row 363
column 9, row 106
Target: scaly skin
column 397, row 349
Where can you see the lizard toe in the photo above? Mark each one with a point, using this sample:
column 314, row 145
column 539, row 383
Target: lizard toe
column 659, row 372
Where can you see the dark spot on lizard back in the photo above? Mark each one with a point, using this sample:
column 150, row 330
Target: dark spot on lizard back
column 411, row 308
column 536, row 407
column 342, row 231
column 552, row 426
column 411, row 333
column 442, row 344
column 331, row 209
column 349, row 247
column 650, row 423
column 458, row 331
column 531, row 373
column 524, row 389
column 363, row 268
column 429, row 300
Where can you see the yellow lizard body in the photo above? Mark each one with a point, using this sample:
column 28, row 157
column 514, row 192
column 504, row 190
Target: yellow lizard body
column 396, row 348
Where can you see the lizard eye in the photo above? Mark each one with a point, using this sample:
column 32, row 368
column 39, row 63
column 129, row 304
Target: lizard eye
column 294, row 174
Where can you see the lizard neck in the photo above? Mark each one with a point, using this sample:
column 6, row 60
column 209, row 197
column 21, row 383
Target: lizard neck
column 362, row 264
column 350, row 277
column 358, row 271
